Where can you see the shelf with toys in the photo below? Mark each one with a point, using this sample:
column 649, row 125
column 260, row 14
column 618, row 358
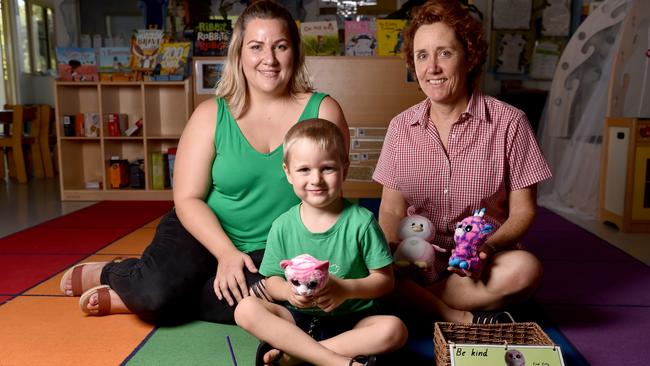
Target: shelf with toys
column 110, row 131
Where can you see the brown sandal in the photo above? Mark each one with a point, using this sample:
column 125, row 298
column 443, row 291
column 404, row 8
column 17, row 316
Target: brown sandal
column 74, row 274
column 103, row 297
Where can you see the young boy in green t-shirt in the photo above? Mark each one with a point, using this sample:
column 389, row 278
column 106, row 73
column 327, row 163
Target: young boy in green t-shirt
column 339, row 322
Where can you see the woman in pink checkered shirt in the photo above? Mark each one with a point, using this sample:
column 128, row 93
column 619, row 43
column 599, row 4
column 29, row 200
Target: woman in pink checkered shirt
column 457, row 151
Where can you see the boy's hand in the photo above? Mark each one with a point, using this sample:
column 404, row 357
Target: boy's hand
column 332, row 295
column 296, row 300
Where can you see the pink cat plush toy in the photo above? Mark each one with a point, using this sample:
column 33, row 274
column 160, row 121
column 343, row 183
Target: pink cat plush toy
column 416, row 248
column 306, row 274
column 470, row 234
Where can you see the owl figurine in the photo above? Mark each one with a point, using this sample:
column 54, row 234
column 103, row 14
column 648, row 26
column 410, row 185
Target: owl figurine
column 514, row 357
column 416, row 233
column 469, row 235
column 306, row 274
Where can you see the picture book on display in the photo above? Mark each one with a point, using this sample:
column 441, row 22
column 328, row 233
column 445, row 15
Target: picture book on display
column 173, row 60
column 114, row 63
column 211, row 37
column 77, row 64
column 389, row 36
column 360, row 38
column 145, row 45
column 320, row 38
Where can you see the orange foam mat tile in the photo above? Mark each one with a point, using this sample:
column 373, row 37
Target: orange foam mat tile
column 154, row 223
column 41, row 330
column 131, row 244
column 52, row 285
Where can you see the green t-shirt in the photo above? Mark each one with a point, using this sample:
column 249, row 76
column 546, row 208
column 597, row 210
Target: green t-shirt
column 353, row 245
column 249, row 189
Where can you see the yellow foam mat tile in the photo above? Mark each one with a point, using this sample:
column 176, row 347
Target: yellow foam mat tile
column 42, row 330
column 52, row 285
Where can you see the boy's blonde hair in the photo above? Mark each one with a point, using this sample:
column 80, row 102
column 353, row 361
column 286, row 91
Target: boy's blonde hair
column 324, row 133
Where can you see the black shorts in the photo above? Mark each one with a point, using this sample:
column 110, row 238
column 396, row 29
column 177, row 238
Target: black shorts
column 322, row 327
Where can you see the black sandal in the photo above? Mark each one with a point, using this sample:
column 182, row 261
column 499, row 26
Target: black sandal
column 263, row 349
column 364, row 360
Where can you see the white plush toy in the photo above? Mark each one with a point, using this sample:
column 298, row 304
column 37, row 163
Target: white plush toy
column 416, row 233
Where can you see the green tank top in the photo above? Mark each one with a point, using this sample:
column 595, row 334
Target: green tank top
column 249, row 189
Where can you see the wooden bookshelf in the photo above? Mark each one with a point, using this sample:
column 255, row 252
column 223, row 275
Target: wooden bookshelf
column 164, row 108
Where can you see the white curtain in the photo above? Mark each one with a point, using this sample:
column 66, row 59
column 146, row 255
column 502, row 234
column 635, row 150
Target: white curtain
column 574, row 154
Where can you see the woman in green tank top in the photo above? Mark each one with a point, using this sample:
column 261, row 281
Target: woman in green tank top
column 228, row 185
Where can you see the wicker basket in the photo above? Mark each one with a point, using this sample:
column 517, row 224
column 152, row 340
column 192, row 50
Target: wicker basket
column 514, row 333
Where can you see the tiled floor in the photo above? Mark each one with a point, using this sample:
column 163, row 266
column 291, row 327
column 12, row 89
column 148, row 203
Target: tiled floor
column 25, row 205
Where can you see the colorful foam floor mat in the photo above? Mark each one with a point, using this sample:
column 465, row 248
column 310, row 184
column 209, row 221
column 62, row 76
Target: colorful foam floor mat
column 40, row 326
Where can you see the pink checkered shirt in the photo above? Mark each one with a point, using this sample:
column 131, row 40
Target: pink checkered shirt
column 491, row 151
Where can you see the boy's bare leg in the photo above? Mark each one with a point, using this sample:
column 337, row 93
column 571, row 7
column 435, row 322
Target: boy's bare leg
column 422, row 303
column 274, row 324
column 373, row 335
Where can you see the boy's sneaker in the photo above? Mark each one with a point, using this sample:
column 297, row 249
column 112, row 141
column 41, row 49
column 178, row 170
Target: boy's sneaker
column 492, row 317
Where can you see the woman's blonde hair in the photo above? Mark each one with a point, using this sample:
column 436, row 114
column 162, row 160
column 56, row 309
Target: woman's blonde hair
column 323, row 133
column 232, row 85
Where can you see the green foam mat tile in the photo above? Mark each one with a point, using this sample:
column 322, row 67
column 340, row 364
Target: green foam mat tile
column 197, row 343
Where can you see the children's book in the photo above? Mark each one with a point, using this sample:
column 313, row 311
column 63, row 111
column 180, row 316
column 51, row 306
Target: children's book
column 390, row 36
column 211, row 38
column 159, row 170
column 173, row 59
column 91, row 124
column 145, row 45
column 360, row 38
column 114, row 63
column 77, row 64
column 320, row 38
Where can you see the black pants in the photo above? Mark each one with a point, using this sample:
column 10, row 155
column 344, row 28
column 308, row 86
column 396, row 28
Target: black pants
column 173, row 281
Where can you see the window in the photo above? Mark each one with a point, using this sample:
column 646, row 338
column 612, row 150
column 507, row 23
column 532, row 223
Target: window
column 42, row 42
column 35, row 31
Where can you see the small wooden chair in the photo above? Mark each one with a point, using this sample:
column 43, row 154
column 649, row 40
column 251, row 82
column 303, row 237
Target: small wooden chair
column 12, row 143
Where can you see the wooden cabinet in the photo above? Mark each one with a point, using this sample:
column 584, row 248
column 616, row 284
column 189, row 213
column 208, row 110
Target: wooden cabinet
column 625, row 174
column 164, row 108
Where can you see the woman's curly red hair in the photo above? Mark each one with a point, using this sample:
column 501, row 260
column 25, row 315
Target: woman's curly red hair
column 469, row 33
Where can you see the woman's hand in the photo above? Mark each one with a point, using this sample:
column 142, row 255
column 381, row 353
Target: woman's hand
column 332, row 295
column 230, row 282
column 485, row 252
column 464, row 272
